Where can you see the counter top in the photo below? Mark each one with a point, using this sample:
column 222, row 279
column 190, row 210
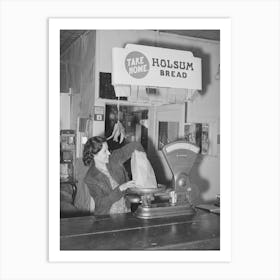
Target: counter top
column 200, row 231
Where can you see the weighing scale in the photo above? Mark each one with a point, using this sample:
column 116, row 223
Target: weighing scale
column 175, row 200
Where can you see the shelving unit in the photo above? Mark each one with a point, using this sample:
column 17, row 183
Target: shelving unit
column 67, row 155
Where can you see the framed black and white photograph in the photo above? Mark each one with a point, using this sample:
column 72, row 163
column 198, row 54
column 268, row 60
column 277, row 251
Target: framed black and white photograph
column 148, row 98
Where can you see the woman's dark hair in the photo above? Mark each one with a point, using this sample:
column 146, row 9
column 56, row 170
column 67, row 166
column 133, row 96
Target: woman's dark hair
column 91, row 148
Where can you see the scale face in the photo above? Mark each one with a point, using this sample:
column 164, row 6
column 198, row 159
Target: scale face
column 180, row 157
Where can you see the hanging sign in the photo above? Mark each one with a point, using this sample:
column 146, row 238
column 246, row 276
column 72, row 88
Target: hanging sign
column 155, row 67
column 98, row 113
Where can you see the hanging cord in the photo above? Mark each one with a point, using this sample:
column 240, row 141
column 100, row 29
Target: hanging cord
column 118, row 108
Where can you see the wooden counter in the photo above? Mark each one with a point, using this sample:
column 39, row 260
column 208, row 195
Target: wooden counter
column 126, row 232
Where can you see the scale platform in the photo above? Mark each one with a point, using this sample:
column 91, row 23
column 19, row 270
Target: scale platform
column 163, row 210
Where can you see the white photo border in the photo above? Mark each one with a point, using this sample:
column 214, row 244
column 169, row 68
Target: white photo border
column 224, row 25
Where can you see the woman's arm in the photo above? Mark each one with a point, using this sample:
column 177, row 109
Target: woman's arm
column 103, row 201
column 125, row 153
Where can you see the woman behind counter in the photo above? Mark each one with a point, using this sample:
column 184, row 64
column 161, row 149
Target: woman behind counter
column 106, row 177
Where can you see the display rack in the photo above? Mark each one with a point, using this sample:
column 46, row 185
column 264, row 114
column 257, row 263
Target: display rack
column 67, row 155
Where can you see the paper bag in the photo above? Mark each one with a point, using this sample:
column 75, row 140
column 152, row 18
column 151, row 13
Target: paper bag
column 142, row 171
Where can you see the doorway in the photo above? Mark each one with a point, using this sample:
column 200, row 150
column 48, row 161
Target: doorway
column 166, row 126
column 134, row 120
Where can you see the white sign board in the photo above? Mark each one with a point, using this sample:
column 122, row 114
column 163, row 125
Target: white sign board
column 155, row 67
